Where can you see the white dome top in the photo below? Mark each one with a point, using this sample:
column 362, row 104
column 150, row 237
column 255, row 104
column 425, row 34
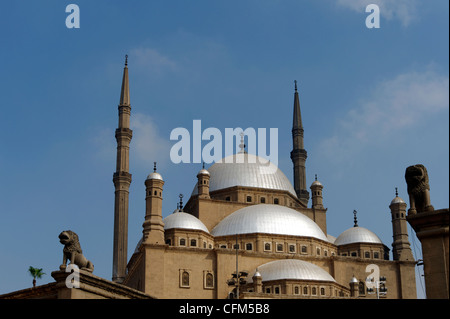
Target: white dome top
column 268, row 219
column 397, row 200
column 154, row 175
column 249, row 170
column 292, row 269
column 203, row 172
column 183, row 220
column 357, row 235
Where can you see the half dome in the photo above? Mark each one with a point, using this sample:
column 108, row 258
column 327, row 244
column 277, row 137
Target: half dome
column 247, row 170
column 268, row 219
column 184, row 221
column 292, row 269
column 357, row 235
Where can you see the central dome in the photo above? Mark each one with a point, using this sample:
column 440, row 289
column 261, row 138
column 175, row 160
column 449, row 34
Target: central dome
column 247, row 170
column 268, row 219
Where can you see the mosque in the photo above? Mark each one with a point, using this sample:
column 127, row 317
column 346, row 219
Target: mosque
column 247, row 232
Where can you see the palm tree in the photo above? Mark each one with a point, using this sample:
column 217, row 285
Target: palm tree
column 35, row 273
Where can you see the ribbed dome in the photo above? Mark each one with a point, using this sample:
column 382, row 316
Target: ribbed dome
column 397, row 200
column 357, row 235
column 249, row 170
column 292, row 269
column 268, row 219
column 184, row 221
column 154, row 175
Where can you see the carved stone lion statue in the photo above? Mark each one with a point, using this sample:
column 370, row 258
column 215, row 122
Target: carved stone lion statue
column 72, row 251
column 416, row 177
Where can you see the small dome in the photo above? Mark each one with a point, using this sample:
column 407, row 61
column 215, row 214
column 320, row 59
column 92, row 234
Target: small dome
column 247, row 170
column 398, row 200
column 155, row 175
column 268, row 219
column 316, row 183
column 184, row 221
column 354, row 280
column 203, row 172
column 357, row 235
column 292, row 269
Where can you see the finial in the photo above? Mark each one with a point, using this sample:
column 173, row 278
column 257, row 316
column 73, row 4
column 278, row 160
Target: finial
column 316, row 177
column 396, row 192
column 295, row 81
column 242, row 145
column 355, row 219
column 203, row 165
column 181, row 202
column 154, row 167
column 126, row 59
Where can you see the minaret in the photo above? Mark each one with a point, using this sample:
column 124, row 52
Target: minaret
column 298, row 154
column 122, row 181
column 203, row 177
column 401, row 248
column 316, row 191
column 153, row 226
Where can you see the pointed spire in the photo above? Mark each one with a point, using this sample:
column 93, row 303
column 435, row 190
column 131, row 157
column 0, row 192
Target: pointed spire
column 125, row 91
column 242, row 145
column 297, row 122
column 355, row 219
column 181, row 202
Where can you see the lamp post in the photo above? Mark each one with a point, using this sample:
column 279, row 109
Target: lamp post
column 238, row 278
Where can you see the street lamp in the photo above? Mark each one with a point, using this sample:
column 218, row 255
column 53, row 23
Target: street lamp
column 238, row 277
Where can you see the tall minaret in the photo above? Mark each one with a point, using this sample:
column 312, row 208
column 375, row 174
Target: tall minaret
column 122, row 181
column 298, row 154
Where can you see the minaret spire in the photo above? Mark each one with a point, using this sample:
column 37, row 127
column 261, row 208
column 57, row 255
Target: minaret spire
column 125, row 91
column 299, row 154
column 122, row 181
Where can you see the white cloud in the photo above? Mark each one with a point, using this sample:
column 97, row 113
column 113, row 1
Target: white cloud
column 403, row 10
column 393, row 106
column 147, row 145
column 151, row 59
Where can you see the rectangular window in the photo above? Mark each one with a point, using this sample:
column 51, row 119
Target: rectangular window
column 292, row 248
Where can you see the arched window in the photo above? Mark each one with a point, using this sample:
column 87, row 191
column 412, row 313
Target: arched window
column 209, row 280
column 193, row 242
column 362, row 288
column 185, row 279
column 182, row 242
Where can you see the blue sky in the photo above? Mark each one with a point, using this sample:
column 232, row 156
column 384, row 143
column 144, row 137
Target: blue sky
column 373, row 102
